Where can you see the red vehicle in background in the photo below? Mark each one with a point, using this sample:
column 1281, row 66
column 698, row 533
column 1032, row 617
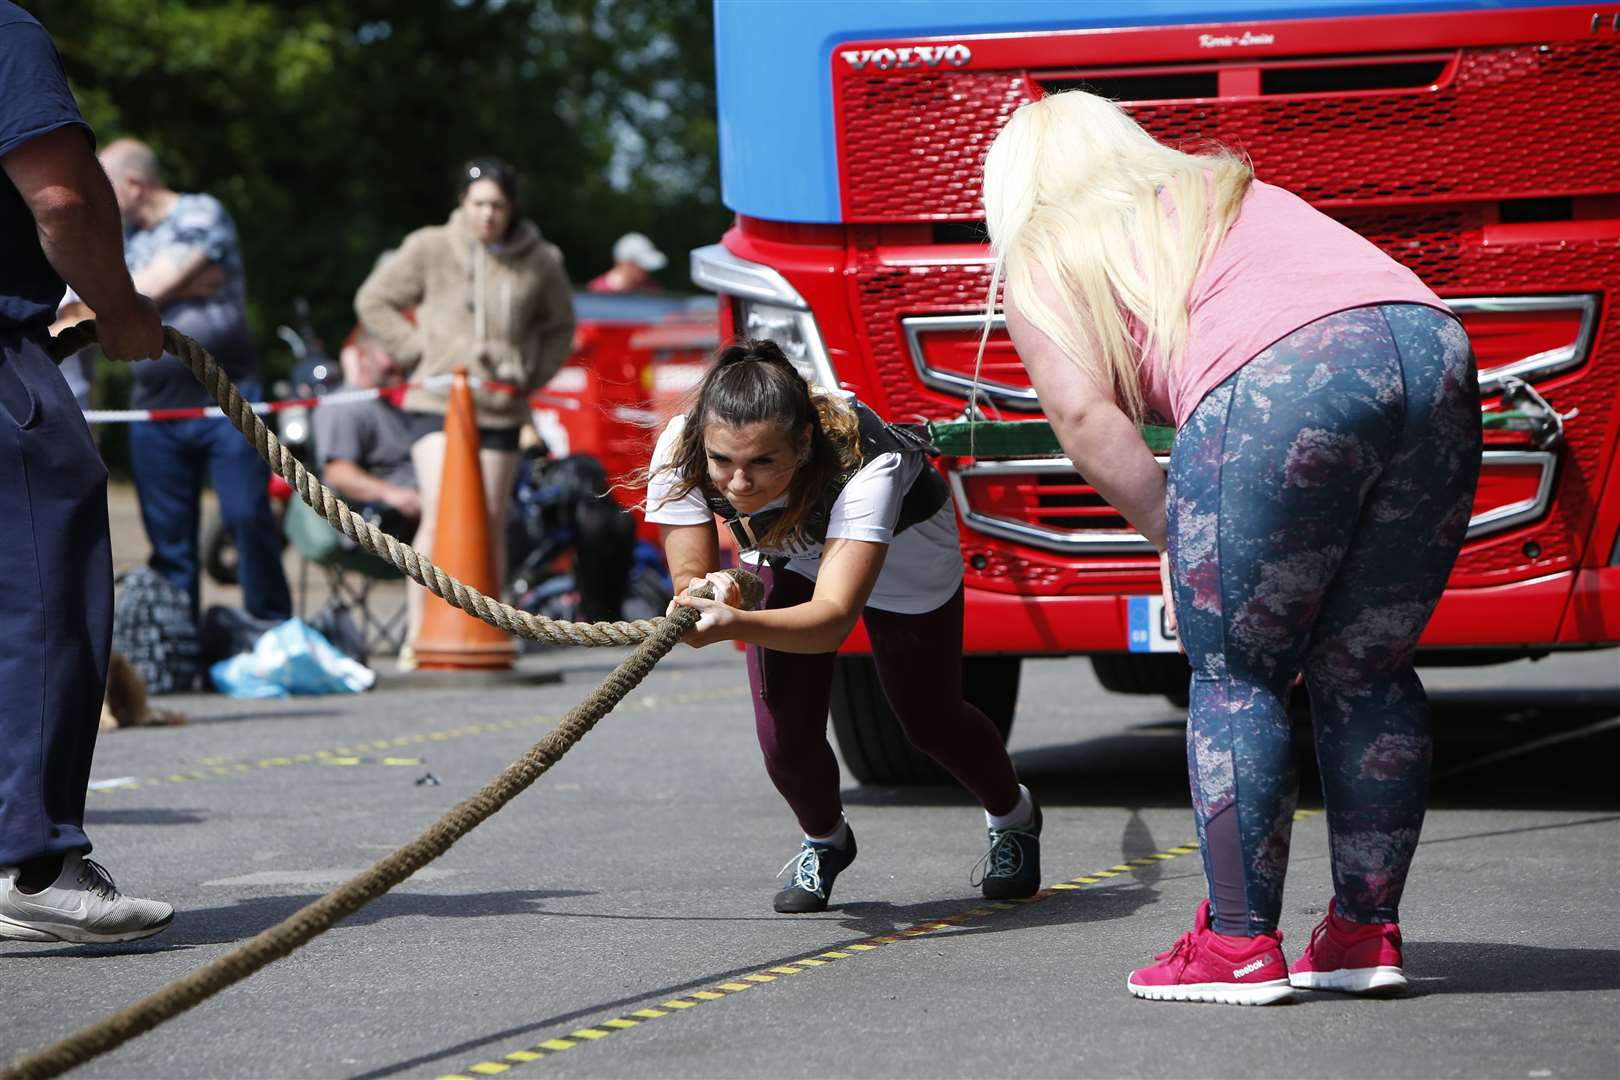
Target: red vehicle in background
column 635, row 356
column 633, row 359
column 1473, row 141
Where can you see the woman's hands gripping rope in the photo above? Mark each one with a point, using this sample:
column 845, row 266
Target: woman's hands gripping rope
column 716, row 598
column 335, row 511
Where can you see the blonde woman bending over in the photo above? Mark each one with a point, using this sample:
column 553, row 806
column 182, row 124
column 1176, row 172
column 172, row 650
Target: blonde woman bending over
column 1327, row 447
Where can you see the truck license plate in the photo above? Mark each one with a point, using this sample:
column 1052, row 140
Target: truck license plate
column 1149, row 633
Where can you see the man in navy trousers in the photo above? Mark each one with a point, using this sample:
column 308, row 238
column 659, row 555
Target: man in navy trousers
column 58, row 221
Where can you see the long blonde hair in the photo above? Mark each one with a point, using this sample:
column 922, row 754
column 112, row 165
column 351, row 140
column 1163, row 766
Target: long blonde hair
column 1072, row 185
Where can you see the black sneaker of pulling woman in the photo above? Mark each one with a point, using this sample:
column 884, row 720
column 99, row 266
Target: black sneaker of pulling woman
column 845, row 519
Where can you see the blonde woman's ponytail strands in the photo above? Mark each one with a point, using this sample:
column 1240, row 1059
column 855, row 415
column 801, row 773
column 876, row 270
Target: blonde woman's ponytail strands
column 978, row 360
column 1073, row 185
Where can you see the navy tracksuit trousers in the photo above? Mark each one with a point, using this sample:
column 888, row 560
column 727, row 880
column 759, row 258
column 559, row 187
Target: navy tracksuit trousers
column 56, row 596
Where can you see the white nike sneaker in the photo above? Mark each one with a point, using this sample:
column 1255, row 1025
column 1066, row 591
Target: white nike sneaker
column 82, row 905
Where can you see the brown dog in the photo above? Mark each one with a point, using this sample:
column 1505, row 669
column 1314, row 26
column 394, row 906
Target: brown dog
column 125, row 704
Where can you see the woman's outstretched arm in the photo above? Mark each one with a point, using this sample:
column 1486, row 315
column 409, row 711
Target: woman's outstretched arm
column 849, row 570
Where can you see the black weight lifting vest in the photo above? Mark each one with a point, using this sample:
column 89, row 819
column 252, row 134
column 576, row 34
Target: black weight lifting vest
column 921, row 501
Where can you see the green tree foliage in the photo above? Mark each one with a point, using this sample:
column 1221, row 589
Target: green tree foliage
column 331, row 128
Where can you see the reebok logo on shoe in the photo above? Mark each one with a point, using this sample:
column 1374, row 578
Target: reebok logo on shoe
column 1206, row 966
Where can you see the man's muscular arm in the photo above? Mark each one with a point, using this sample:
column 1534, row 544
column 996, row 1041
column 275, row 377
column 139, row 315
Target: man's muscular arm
column 77, row 217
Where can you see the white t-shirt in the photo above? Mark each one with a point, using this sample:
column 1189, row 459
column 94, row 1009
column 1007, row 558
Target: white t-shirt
column 924, row 565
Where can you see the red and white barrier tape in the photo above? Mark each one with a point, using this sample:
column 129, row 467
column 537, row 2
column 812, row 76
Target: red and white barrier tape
column 395, row 394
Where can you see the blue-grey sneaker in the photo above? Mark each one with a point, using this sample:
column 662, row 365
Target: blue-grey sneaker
column 1012, row 865
column 814, row 870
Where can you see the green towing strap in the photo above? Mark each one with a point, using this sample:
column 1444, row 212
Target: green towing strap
column 1017, row 438
column 1513, row 420
column 1034, row 438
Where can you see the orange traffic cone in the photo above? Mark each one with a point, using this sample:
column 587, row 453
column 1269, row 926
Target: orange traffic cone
column 451, row 639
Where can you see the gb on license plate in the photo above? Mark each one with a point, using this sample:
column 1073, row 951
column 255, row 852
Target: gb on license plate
column 1148, row 631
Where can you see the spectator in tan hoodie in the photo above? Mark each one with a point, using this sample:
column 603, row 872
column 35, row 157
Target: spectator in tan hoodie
column 489, row 294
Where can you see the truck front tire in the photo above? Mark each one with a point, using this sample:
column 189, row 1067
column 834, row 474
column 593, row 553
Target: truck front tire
column 1144, row 673
column 869, row 737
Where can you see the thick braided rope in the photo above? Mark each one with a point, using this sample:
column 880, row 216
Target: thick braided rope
column 315, row 918
column 325, row 502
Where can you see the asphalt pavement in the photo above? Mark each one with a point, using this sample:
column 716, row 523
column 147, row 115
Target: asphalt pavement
column 615, row 919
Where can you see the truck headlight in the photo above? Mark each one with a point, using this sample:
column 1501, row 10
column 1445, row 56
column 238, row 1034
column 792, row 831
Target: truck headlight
column 766, row 306
column 794, row 330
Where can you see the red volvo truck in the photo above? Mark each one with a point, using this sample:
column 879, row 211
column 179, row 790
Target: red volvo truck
column 1475, row 142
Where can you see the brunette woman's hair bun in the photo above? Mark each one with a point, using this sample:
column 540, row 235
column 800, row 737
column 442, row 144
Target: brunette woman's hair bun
column 753, row 350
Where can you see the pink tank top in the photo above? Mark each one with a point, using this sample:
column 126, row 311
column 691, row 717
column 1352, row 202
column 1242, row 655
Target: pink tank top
column 1282, row 264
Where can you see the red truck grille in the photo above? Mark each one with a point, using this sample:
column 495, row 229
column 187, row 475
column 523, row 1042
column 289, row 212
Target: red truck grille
column 1527, row 337
column 1457, row 253
column 1321, row 147
column 1046, row 495
column 912, row 143
column 1044, row 503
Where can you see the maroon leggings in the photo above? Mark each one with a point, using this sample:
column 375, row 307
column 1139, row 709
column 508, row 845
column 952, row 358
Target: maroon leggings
column 919, row 663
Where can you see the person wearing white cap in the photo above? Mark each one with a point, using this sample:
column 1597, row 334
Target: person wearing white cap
column 635, row 260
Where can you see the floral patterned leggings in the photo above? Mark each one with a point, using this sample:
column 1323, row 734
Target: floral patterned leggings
column 1317, row 501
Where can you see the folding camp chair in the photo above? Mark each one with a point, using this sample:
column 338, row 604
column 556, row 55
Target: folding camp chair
column 350, row 573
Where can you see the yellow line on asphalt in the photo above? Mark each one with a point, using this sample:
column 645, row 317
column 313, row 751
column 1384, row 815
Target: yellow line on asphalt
column 352, row 755
column 755, row 980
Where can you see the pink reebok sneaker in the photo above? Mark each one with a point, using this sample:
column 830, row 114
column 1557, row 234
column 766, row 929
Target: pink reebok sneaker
column 1206, row 966
column 1356, row 958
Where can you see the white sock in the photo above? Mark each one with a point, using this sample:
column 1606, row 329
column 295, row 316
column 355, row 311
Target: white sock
column 1022, row 814
column 837, row 838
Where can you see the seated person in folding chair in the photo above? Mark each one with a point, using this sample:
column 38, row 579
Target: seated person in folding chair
column 364, row 447
column 364, row 453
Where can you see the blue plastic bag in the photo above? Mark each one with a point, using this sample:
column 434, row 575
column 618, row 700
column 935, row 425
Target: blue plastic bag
column 291, row 658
